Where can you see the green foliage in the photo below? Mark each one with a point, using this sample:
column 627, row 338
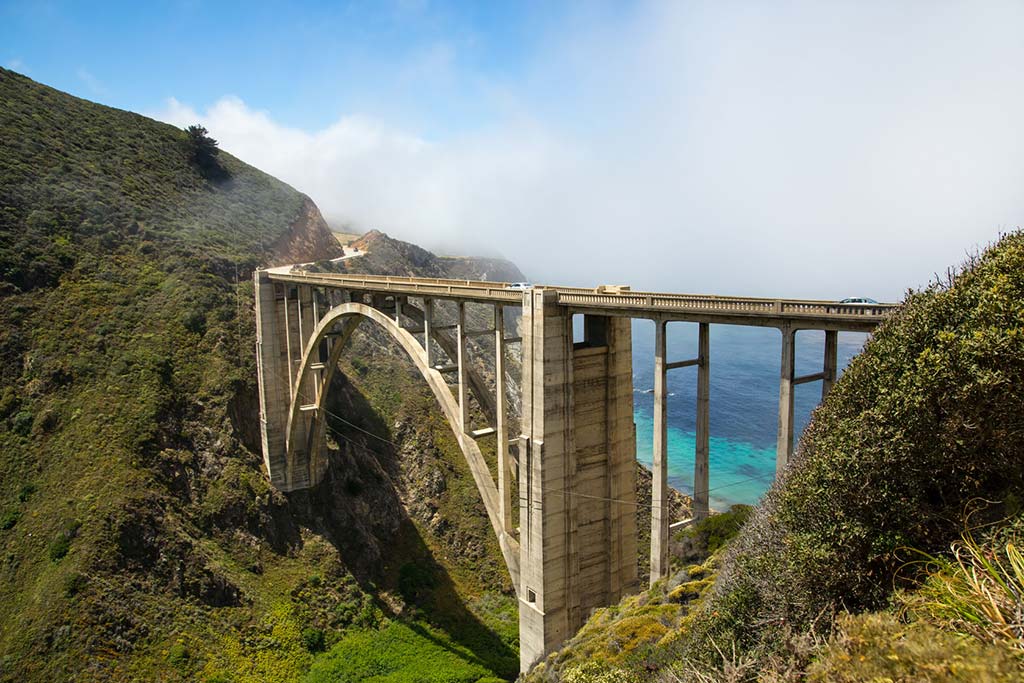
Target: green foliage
column 178, row 655
column 22, row 423
column 26, row 491
column 877, row 647
column 399, row 653
column 977, row 590
column 61, row 543
column 927, row 418
column 313, row 639
column 9, row 519
column 203, row 152
column 708, row 535
column 414, row 580
column 625, row 642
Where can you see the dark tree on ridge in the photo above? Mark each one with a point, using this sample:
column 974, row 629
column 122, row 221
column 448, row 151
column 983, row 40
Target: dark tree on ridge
column 203, row 151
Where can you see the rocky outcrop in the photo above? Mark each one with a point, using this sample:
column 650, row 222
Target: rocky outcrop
column 308, row 239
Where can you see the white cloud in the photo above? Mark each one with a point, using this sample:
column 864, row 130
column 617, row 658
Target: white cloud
column 17, row 64
column 792, row 149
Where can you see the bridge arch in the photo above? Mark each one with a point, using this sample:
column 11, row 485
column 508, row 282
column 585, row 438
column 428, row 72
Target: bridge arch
column 304, row 434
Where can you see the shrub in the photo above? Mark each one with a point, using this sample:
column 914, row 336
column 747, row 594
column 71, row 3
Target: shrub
column 22, row 422
column 74, row 583
column 876, row 647
column 313, row 639
column 61, row 543
column 927, row 418
column 414, row 581
column 9, row 519
column 708, row 535
column 26, row 492
column 178, row 655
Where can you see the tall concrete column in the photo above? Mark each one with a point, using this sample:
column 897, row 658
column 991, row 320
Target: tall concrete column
column 545, row 476
column 504, row 471
column 428, row 323
column 620, row 507
column 463, row 358
column 784, row 446
column 831, row 361
column 273, row 373
column 660, row 519
column 700, row 465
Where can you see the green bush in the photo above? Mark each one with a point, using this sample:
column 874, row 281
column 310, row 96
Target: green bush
column 415, row 581
column 74, row 584
column 9, row 519
column 708, row 535
column 178, row 655
column 26, row 491
column 926, row 419
column 21, row 423
column 61, row 543
column 877, row 647
column 313, row 639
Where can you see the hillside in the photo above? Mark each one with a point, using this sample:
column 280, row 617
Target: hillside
column 139, row 539
column 890, row 548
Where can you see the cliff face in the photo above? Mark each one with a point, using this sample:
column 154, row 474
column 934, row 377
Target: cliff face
column 308, row 238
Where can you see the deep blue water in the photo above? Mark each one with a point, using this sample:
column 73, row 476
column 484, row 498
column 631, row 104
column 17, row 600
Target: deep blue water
column 743, row 402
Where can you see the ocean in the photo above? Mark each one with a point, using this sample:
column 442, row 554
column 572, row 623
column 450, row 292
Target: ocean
column 743, row 402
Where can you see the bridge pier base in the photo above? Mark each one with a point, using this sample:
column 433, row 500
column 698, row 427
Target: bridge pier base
column 577, row 473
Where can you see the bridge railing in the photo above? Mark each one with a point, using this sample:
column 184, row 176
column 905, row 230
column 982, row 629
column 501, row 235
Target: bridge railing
column 654, row 301
column 580, row 297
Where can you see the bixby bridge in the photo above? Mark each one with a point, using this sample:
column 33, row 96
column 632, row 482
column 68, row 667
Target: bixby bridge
column 568, row 533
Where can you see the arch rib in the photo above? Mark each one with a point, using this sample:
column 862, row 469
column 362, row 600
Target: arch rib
column 304, row 451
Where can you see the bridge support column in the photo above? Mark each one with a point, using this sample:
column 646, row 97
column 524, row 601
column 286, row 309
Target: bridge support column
column 462, row 358
column 831, row 361
column 700, row 465
column 273, row 367
column 577, row 473
column 500, row 428
column 660, row 519
column 784, row 447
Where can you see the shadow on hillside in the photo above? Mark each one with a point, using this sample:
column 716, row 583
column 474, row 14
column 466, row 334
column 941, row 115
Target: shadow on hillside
column 358, row 509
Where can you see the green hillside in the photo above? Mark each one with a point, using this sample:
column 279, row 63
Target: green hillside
column 139, row 539
column 890, row 549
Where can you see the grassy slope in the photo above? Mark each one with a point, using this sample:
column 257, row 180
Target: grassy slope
column 138, row 537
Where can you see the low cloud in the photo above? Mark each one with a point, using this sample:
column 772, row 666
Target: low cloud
column 799, row 149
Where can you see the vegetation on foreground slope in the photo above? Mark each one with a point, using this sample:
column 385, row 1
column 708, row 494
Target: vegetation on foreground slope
column 139, row 539
column 920, row 439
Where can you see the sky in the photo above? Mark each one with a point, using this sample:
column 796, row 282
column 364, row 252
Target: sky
column 791, row 148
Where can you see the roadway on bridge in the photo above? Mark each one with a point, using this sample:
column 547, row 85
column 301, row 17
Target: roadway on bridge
column 615, row 301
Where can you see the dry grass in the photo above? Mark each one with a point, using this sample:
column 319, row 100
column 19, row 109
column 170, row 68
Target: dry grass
column 978, row 591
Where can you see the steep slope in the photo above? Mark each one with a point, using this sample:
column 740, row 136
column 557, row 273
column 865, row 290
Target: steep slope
column 139, row 539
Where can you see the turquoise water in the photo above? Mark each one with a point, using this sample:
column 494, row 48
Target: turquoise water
column 740, row 472
column 743, row 402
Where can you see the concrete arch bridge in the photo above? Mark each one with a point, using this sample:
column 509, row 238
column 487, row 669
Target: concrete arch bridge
column 564, row 509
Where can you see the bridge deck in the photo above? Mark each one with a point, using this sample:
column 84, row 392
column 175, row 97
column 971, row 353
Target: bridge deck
column 732, row 310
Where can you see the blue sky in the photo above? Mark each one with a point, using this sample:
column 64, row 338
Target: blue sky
column 423, row 65
column 787, row 148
